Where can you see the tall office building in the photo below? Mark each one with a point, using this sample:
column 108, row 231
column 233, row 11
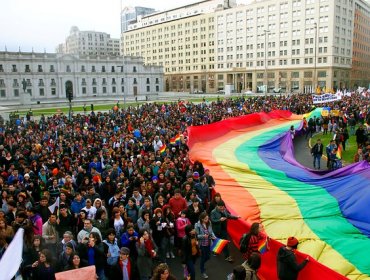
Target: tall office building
column 293, row 45
column 129, row 15
column 89, row 43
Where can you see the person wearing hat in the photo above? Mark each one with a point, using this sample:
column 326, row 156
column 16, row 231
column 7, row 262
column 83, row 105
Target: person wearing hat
column 287, row 265
column 126, row 268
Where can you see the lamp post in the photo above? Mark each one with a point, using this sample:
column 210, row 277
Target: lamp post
column 265, row 63
column 315, row 57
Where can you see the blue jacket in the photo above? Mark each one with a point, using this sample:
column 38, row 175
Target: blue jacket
column 113, row 249
column 125, row 239
column 77, row 206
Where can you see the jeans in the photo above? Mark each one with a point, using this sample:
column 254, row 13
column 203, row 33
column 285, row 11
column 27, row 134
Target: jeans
column 204, row 257
column 316, row 158
column 168, row 244
column 191, row 268
column 100, row 273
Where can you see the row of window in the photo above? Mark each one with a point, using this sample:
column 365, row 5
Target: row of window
column 83, row 82
column 41, row 92
column 40, row 69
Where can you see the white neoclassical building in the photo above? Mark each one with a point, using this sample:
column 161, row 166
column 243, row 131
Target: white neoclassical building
column 47, row 75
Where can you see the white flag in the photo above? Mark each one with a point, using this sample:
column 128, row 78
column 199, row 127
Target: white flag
column 56, row 204
column 12, row 258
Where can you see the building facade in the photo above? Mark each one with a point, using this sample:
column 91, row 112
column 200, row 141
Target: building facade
column 47, row 75
column 89, row 43
column 129, row 15
column 292, row 45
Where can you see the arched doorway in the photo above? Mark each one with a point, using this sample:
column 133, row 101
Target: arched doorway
column 69, row 90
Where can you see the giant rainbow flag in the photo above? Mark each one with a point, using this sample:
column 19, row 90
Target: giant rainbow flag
column 252, row 161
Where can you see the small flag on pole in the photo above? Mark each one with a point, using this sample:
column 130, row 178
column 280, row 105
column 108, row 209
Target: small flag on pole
column 263, row 246
column 339, row 152
column 162, row 150
column 173, row 141
column 178, row 139
column 52, row 207
column 218, row 245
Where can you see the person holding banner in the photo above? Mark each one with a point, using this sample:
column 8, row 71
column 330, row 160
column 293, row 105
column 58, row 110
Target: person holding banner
column 205, row 235
column 219, row 217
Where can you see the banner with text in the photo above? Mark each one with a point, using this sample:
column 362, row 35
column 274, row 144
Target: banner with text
column 325, row 98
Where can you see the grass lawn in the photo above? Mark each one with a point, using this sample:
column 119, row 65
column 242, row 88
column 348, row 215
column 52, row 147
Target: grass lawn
column 347, row 155
column 99, row 107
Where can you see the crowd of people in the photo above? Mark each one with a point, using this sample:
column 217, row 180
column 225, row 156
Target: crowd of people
column 125, row 196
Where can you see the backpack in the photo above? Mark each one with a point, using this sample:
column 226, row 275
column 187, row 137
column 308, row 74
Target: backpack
column 244, row 243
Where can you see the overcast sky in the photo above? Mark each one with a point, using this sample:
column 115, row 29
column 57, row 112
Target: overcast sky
column 43, row 24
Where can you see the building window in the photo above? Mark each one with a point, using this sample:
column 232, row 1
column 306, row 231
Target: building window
column 41, row 83
column 83, row 68
column 42, row 91
column 68, row 68
column 147, row 88
column 104, row 89
column 157, row 88
column 16, row 92
column 94, row 90
column 39, row 68
column 103, row 68
column 122, row 89
column 134, row 69
column 122, row 81
column 27, row 69
column 52, row 68
column 113, row 89
column 53, row 84
column 93, row 69
column 53, row 91
column 135, row 81
column 1, row 68
column 94, row 81
column 308, row 74
column 2, row 93
column 113, row 81
column 83, row 90
column 295, row 74
column 147, row 80
column 321, row 74
column 157, row 80
column 104, row 81
column 113, row 70
column 14, row 68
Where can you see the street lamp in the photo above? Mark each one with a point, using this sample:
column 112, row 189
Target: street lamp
column 315, row 70
column 265, row 75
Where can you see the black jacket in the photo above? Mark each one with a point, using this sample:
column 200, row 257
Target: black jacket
column 317, row 149
column 287, row 265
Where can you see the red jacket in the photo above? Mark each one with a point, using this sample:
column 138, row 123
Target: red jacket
column 177, row 205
